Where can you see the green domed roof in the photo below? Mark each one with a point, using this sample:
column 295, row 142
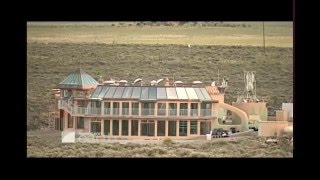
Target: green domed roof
column 78, row 80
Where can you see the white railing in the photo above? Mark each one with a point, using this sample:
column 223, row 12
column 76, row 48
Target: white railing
column 79, row 110
column 135, row 111
column 183, row 112
column 93, row 111
column 62, row 104
column 107, row 111
column 125, row 111
column 194, row 112
column 205, row 112
column 148, row 112
column 66, row 106
column 115, row 111
column 161, row 112
column 172, row 112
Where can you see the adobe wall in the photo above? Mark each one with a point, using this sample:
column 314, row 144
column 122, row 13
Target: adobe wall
column 252, row 108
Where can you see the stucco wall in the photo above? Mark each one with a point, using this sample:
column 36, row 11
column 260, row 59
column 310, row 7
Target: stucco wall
column 272, row 128
column 252, row 109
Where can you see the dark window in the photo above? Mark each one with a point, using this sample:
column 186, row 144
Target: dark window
column 115, row 128
column 172, row 128
column 193, row 127
column 183, row 128
column 80, row 122
column 124, row 129
column 135, row 108
column 161, row 130
column 106, row 127
column 70, row 121
column 134, row 127
column 125, row 108
column 205, row 128
column 95, row 127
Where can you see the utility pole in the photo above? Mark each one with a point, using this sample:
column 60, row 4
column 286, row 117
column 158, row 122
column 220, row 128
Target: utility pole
column 264, row 42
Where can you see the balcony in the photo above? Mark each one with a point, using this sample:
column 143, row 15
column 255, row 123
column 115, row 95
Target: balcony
column 183, row 112
column 68, row 107
column 115, row 111
column 147, row 112
column 205, row 112
column 194, row 112
column 80, row 110
column 172, row 112
column 135, row 111
column 125, row 111
column 161, row 112
column 107, row 111
column 93, row 111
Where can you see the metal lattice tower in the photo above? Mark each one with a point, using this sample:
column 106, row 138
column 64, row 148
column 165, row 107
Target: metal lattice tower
column 250, row 85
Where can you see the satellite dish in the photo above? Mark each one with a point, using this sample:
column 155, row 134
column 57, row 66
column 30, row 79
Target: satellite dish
column 137, row 80
column 213, row 83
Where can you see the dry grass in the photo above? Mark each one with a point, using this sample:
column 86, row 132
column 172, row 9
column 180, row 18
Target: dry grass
column 277, row 34
column 49, row 64
column 47, row 144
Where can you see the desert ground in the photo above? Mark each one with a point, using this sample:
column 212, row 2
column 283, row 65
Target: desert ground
column 122, row 51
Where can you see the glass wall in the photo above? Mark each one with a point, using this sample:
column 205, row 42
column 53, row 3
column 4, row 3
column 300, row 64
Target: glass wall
column 107, row 107
column 162, row 109
column 205, row 109
column 147, row 108
column 183, row 126
column 80, row 122
column 106, row 130
column 134, row 127
column 194, row 109
column 172, row 109
column 115, row 108
column 172, row 128
column 70, row 121
column 205, row 128
column 193, row 127
column 115, row 128
column 183, row 109
column 124, row 129
column 125, row 108
column 96, row 127
column 161, row 130
column 147, row 128
column 135, row 108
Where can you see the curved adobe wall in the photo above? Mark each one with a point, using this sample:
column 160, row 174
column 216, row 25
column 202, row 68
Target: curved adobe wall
column 252, row 108
column 241, row 114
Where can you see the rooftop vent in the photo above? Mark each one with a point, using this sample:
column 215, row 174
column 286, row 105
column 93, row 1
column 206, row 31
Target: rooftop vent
column 178, row 83
column 110, row 82
column 123, row 82
column 137, row 80
column 196, row 82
